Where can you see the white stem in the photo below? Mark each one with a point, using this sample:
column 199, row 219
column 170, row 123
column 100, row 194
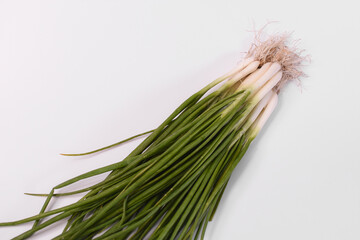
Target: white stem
column 262, row 83
column 246, row 65
column 268, row 86
column 259, row 107
column 255, row 76
column 262, row 119
column 246, row 71
column 255, row 99
column 240, row 66
column 254, row 114
column 273, row 69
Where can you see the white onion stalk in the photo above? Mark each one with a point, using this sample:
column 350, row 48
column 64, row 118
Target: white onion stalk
column 265, row 115
column 257, row 84
column 243, row 64
column 246, row 71
column 245, row 67
column 253, row 116
column 273, row 69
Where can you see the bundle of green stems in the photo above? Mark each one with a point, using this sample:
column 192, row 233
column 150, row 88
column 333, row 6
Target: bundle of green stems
column 170, row 185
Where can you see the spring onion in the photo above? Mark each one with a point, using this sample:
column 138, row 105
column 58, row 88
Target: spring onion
column 170, row 185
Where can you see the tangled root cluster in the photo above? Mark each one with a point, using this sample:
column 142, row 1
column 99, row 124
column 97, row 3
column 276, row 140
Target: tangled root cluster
column 278, row 48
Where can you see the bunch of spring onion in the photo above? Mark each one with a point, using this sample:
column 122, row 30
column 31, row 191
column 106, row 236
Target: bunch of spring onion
column 169, row 186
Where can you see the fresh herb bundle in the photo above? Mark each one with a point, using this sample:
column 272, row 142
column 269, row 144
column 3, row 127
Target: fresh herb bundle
column 171, row 184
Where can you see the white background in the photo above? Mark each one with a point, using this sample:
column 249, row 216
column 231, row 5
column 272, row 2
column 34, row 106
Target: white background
column 77, row 75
